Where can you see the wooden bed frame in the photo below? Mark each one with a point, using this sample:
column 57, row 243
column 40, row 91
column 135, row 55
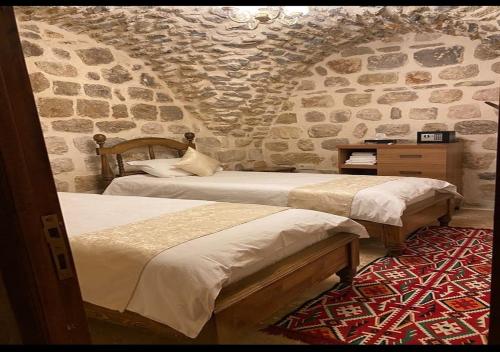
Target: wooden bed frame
column 107, row 172
column 243, row 304
column 425, row 212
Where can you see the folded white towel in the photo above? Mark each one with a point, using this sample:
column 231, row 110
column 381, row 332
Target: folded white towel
column 361, row 162
column 363, row 153
column 362, row 157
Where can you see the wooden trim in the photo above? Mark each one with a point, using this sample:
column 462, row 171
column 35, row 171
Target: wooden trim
column 271, row 275
column 425, row 212
column 105, row 152
column 48, row 309
column 245, row 303
column 494, row 332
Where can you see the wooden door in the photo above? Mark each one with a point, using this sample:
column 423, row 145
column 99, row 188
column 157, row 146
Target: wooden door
column 35, row 258
column 494, row 333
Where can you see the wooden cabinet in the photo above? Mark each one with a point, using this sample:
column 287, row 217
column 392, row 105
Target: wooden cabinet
column 441, row 161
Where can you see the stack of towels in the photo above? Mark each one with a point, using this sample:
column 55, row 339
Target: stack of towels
column 365, row 158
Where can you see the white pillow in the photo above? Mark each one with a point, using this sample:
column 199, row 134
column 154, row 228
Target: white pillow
column 160, row 167
column 197, row 163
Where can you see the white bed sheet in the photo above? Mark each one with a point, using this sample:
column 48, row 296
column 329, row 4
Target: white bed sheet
column 179, row 286
column 384, row 203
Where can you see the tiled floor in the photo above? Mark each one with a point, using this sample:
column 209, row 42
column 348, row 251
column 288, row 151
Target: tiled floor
column 370, row 250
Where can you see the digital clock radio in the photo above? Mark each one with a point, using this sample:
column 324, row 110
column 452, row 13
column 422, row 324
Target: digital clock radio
column 436, row 137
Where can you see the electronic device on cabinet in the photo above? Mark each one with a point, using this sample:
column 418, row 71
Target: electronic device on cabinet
column 436, row 137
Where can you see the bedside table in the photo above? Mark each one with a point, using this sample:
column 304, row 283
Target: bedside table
column 442, row 161
column 270, row 169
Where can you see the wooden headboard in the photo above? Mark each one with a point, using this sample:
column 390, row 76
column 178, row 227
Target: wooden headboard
column 107, row 172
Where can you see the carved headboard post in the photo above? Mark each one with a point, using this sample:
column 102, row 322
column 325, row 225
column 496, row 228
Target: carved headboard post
column 190, row 138
column 106, row 171
column 108, row 174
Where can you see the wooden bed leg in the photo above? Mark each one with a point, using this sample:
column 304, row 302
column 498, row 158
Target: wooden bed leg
column 394, row 240
column 347, row 274
column 395, row 250
column 444, row 220
column 225, row 330
column 209, row 335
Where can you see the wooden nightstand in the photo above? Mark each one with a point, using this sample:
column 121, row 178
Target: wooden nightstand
column 441, row 161
column 270, row 169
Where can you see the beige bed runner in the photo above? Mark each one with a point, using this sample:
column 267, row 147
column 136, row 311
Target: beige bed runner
column 335, row 196
column 109, row 263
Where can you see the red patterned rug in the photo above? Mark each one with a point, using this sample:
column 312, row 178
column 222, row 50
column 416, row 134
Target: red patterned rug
column 438, row 292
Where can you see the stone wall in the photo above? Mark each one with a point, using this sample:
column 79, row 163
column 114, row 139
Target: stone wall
column 82, row 87
column 417, row 82
column 241, row 84
column 234, row 77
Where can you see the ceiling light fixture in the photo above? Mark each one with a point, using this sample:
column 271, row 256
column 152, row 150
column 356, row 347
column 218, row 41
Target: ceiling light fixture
column 253, row 15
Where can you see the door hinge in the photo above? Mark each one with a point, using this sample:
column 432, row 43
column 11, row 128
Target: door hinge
column 58, row 247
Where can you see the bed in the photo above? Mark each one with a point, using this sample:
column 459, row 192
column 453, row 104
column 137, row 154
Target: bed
column 390, row 209
column 204, row 289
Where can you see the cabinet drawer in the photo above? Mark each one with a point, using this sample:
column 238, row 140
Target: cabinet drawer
column 415, row 156
column 412, row 170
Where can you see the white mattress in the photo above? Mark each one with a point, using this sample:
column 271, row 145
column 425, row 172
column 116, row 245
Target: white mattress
column 179, row 286
column 384, row 203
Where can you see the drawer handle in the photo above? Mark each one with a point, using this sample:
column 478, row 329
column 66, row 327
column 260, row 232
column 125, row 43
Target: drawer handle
column 414, row 156
column 410, row 172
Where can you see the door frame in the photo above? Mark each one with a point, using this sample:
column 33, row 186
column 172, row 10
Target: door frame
column 494, row 329
column 35, row 257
